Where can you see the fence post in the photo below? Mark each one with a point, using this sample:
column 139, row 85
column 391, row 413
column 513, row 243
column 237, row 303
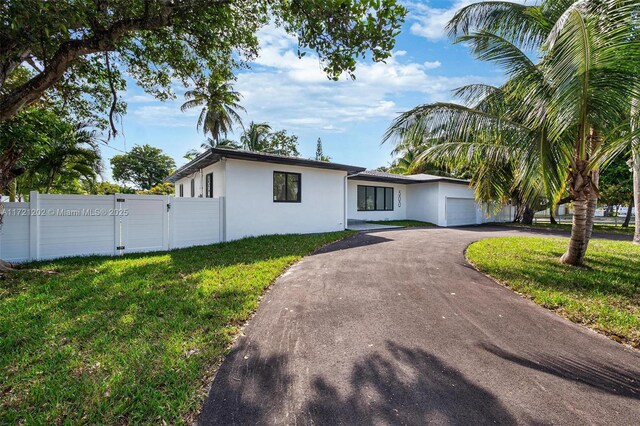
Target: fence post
column 171, row 227
column 165, row 223
column 116, row 225
column 34, row 225
column 223, row 220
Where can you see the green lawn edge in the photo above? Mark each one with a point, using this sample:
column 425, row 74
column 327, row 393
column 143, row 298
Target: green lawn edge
column 598, row 228
column 403, row 223
column 131, row 339
column 604, row 295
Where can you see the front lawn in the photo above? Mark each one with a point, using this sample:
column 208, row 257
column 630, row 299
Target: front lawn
column 405, row 223
column 604, row 295
column 597, row 228
column 132, row 339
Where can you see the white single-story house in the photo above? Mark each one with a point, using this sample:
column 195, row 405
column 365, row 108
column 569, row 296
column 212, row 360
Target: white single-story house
column 273, row 194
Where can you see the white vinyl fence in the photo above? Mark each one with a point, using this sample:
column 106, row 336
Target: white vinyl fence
column 52, row 226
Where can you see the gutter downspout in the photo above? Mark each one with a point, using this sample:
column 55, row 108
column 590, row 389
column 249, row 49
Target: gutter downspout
column 225, row 199
column 345, row 188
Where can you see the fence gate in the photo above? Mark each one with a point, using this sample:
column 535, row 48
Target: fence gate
column 141, row 223
column 52, row 226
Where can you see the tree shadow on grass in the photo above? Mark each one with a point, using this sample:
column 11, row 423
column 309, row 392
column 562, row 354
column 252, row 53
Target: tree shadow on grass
column 607, row 378
column 137, row 324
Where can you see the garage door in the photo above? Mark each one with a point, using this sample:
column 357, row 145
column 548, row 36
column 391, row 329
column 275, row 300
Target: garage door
column 461, row 211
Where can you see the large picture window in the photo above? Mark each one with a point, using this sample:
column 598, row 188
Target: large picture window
column 375, row 198
column 286, row 187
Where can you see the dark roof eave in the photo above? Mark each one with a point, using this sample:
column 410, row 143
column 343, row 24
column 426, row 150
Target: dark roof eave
column 279, row 159
column 405, row 181
column 193, row 166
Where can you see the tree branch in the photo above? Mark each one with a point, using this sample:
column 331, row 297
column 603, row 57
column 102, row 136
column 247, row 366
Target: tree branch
column 71, row 50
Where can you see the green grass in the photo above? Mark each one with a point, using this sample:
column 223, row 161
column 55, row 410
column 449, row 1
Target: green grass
column 405, row 223
column 132, row 339
column 598, row 228
column 604, row 295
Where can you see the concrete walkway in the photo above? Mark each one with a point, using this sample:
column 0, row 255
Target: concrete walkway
column 394, row 327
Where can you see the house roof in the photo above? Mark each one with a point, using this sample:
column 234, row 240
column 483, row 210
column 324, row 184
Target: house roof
column 213, row 155
column 376, row 176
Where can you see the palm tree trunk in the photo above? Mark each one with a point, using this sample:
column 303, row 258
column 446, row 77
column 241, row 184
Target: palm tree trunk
column 627, row 218
column 552, row 218
column 577, row 245
column 528, row 215
column 636, row 191
column 579, row 186
column 592, row 205
column 13, row 188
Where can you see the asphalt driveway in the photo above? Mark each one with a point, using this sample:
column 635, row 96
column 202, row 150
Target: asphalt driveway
column 394, row 327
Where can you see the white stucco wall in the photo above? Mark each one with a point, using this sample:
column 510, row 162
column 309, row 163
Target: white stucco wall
column 399, row 211
column 199, row 176
column 422, row 202
column 250, row 209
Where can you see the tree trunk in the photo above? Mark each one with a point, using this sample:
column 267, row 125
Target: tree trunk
column 5, row 266
column 579, row 186
column 627, row 218
column 527, row 215
column 13, row 188
column 552, row 219
column 70, row 51
column 577, row 245
column 636, row 190
column 517, row 216
column 592, row 205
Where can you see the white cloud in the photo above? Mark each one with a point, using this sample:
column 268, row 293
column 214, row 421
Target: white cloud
column 293, row 92
column 167, row 114
column 430, row 22
column 432, row 65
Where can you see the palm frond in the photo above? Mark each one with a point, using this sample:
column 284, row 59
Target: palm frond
column 523, row 25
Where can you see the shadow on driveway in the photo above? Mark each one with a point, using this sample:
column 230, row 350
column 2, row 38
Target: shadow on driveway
column 398, row 385
column 405, row 385
column 604, row 377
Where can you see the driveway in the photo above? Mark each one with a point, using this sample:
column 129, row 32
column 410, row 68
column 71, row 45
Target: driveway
column 394, row 327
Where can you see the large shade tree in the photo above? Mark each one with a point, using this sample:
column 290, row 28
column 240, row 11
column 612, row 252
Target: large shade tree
column 66, row 42
column 144, row 167
column 79, row 51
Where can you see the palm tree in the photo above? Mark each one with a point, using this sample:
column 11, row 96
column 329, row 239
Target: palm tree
column 254, row 137
column 220, row 143
column 219, row 103
column 553, row 124
column 71, row 156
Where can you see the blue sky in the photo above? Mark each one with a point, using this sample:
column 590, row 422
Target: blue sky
column 294, row 94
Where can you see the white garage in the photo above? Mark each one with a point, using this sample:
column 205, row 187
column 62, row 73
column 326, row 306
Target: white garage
column 460, row 211
column 443, row 201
